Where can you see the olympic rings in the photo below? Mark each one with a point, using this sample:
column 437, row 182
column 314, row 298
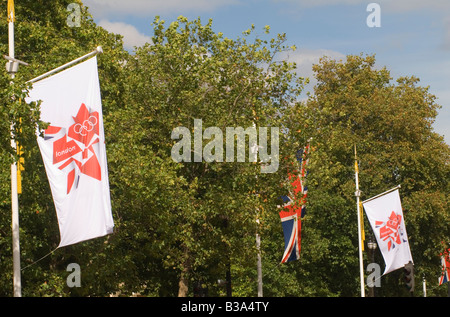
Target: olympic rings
column 87, row 126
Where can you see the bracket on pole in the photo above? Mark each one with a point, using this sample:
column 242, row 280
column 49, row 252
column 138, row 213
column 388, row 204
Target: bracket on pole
column 12, row 64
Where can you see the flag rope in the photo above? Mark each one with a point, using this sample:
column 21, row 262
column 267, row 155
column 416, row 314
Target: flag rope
column 39, row 259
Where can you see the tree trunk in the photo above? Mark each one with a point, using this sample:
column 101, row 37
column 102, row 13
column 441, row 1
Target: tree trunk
column 183, row 283
column 228, row 278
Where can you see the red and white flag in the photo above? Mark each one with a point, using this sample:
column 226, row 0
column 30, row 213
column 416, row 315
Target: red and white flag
column 73, row 151
column 445, row 264
column 386, row 219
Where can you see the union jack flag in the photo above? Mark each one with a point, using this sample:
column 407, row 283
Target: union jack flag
column 445, row 261
column 294, row 208
column 291, row 227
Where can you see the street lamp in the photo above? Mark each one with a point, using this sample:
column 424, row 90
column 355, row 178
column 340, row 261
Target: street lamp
column 372, row 245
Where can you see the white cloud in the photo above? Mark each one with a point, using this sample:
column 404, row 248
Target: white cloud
column 446, row 42
column 319, row 3
column 131, row 36
column 396, row 6
column 403, row 6
column 439, row 8
column 306, row 58
column 102, row 8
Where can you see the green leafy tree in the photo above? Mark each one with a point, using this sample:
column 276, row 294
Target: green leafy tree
column 203, row 214
column 179, row 227
column 44, row 40
column 355, row 103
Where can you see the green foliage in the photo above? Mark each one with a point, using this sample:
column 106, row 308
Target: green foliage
column 44, row 41
column 391, row 125
column 203, row 213
column 179, row 225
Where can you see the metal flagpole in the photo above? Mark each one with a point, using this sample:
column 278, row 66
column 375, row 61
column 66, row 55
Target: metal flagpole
column 424, row 287
column 98, row 50
column 259, row 265
column 12, row 66
column 383, row 193
column 358, row 194
column 254, row 151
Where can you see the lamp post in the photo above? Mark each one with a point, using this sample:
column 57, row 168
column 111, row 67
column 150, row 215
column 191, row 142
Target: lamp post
column 372, row 245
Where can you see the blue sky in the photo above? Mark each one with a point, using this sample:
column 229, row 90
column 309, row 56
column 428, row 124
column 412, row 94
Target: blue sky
column 413, row 39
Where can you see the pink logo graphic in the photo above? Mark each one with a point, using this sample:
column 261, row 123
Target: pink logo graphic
column 391, row 231
column 78, row 152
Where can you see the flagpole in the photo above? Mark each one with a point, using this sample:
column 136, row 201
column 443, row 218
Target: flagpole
column 12, row 68
column 384, row 193
column 259, row 265
column 358, row 194
column 98, row 50
column 254, row 151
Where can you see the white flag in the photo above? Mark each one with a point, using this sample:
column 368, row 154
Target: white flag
column 73, row 151
column 386, row 218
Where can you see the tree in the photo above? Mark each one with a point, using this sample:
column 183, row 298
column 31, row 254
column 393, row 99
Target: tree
column 205, row 223
column 355, row 103
column 174, row 222
column 181, row 226
column 45, row 41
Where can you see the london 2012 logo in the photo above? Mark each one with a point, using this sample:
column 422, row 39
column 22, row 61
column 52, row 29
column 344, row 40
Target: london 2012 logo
column 391, row 230
column 76, row 151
